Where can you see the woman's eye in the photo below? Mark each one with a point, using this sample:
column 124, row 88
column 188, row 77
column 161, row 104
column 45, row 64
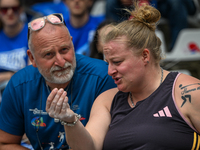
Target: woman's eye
column 117, row 62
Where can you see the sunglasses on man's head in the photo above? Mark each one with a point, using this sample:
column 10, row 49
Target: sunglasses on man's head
column 39, row 23
column 4, row 10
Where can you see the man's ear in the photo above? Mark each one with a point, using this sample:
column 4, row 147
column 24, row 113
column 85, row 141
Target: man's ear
column 30, row 55
column 146, row 56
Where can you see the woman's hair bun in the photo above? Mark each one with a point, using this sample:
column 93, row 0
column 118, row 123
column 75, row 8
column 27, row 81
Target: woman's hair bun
column 146, row 14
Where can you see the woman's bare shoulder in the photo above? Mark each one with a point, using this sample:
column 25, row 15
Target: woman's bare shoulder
column 187, row 93
column 109, row 94
column 107, row 97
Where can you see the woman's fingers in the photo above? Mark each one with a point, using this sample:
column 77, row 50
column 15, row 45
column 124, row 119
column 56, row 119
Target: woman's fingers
column 59, row 104
column 50, row 98
column 65, row 105
column 52, row 107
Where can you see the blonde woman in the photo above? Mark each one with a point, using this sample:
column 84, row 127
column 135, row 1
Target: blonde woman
column 153, row 109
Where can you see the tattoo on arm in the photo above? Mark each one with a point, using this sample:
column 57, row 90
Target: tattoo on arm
column 185, row 90
column 185, row 99
column 182, row 87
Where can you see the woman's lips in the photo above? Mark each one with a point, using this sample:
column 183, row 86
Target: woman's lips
column 117, row 80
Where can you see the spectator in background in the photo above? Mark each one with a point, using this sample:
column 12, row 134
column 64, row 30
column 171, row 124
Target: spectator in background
column 96, row 47
column 115, row 9
column 46, row 8
column 32, row 2
column 176, row 11
column 13, row 39
column 81, row 25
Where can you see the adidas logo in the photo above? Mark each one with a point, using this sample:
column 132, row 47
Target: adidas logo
column 163, row 113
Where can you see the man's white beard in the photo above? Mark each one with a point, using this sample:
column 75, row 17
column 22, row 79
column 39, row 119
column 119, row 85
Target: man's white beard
column 61, row 76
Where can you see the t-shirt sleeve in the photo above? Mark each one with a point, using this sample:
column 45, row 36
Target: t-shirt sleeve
column 105, row 84
column 11, row 114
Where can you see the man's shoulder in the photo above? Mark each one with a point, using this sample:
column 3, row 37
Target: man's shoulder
column 85, row 60
column 90, row 65
column 25, row 75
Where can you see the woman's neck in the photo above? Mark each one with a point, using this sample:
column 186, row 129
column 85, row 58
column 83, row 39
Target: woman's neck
column 153, row 79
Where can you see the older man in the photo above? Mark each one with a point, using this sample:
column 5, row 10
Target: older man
column 54, row 65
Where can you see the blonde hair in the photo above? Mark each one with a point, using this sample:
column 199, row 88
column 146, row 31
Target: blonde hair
column 139, row 30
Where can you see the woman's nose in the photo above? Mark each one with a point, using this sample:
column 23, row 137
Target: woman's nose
column 111, row 70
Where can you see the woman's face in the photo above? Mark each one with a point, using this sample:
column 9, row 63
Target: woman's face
column 125, row 68
column 10, row 12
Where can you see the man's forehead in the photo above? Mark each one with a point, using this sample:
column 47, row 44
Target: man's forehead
column 50, row 29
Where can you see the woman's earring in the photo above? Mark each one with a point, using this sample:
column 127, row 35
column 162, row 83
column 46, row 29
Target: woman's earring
column 147, row 62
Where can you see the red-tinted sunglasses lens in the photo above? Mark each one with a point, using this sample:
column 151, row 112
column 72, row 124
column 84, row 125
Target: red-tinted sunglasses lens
column 4, row 10
column 55, row 18
column 40, row 22
column 37, row 24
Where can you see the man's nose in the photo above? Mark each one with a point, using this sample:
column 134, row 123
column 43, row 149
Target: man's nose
column 60, row 61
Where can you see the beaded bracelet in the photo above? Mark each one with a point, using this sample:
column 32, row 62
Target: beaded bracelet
column 73, row 123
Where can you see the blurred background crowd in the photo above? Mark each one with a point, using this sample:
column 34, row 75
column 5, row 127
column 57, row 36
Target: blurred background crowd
column 179, row 25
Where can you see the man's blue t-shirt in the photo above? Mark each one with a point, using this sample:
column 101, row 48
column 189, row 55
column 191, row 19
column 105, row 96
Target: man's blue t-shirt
column 13, row 56
column 24, row 100
column 83, row 36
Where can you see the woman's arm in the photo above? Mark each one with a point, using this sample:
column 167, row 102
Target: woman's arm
column 187, row 97
column 80, row 137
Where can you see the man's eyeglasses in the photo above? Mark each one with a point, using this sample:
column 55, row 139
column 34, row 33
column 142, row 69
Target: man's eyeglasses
column 4, row 10
column 39, row 23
